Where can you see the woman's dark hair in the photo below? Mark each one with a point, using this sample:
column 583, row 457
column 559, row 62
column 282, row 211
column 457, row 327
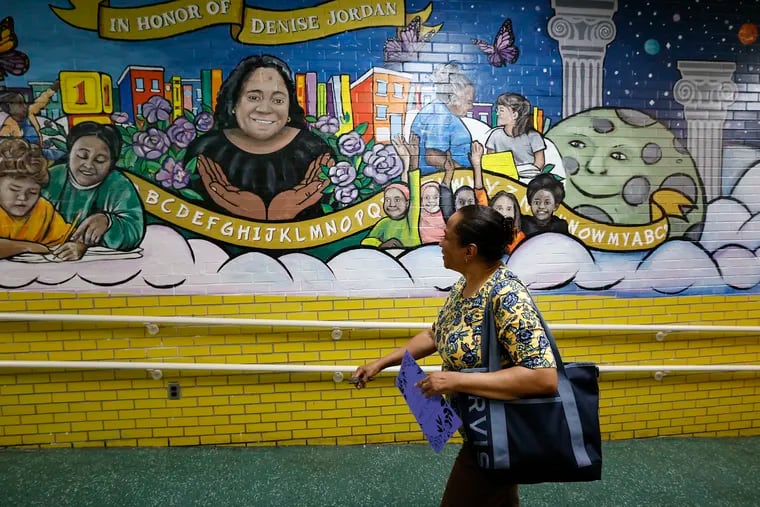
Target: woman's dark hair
column 487, row 229
column 549, row 183
column 232, row 87
column 515, row 204
column 106, row 133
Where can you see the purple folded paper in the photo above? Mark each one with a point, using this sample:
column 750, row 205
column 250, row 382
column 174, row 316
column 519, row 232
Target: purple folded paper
column 434, row 415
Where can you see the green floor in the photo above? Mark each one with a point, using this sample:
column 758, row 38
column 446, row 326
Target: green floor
column 656, row 472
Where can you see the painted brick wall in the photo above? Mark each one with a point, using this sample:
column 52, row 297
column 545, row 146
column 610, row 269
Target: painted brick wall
column 54, row 408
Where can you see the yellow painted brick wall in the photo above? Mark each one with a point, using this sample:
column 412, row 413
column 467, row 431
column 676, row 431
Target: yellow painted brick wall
column 54, row 408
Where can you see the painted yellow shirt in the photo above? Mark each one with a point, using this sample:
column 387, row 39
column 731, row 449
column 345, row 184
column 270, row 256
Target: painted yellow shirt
column 41, row 225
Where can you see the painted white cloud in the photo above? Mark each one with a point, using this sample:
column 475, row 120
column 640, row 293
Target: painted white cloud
column 740, row 267
column 167, row 261
column 725, row 259
column 745, row 190
column 729, row 222
column 672, row 268
column 550, row 260
column 367, row 270
column 737, row 159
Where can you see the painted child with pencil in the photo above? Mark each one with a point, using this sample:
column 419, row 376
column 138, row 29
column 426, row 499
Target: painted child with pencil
column 91, row 192
column 28, row 222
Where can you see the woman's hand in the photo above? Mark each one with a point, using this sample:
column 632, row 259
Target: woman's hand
column 364, row 374
column 91, row 230
column 70, row 251
column 289, row 203
column 236, row 201
column 439, row 382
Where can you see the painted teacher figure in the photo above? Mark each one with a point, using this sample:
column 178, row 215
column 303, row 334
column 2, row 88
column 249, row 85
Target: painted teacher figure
column 262, row 163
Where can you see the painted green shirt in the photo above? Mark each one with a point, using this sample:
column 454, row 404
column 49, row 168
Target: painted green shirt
column 407, row 229
column 115, row 197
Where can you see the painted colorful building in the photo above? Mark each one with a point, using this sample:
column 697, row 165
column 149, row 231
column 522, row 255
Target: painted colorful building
column 136, row 85
column 379, row 97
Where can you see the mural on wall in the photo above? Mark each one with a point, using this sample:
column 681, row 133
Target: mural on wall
column 218, row 146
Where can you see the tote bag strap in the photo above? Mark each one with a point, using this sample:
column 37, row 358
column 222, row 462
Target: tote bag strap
column 564, row 388
column 492, row 356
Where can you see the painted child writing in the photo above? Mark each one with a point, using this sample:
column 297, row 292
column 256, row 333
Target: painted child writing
column 28, row 222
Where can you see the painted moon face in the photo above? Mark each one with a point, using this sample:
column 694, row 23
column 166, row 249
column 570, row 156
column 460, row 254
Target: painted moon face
column 615, row 159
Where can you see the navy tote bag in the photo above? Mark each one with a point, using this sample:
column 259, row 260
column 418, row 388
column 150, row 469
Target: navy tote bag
column 545, row 439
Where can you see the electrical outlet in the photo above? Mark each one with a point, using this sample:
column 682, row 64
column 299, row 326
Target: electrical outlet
column 174, row 392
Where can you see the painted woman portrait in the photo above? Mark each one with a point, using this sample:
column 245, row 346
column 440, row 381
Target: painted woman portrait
column 262, row 163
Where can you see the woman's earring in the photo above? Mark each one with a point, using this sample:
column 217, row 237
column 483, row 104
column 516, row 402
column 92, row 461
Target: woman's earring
column 233, row 110
column 288, row 119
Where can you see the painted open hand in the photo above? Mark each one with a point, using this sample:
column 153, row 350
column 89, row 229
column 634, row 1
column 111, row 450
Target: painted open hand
column 229, row 197
column 91, row 230
column 289, row 203
column 408, row 151
column 476, row 153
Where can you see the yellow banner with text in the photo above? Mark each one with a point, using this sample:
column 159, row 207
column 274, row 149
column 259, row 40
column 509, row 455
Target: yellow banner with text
column 247, row 25
column 258, row 235
column 359, row 217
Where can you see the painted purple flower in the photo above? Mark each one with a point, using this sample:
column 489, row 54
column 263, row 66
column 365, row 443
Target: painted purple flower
column 327, row 124
column 351, row 144
column 172, row 174
column 120, row 118
column 204, row 121
column 150, row 144
column 182, row 132
column 346, row 194
column 382, row 164
column 157, row 108
column 342, row 174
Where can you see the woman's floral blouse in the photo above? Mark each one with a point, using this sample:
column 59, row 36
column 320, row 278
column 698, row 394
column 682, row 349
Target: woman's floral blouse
column 520, row 333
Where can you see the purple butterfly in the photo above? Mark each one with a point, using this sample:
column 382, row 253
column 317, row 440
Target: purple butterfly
column 503, row 49
column 406, row 47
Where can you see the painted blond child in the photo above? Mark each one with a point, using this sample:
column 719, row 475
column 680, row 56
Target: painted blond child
column 28, row 222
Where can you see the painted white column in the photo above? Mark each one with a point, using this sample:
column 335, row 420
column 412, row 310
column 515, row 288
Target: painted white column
column 706, row 90
column 583, row 28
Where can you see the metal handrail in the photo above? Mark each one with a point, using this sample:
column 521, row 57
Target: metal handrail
column 156, row 367
column 332, row 368
column 337, row 324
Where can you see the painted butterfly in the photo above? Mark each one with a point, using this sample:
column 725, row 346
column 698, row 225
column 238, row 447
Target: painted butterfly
column 503, row 49
column 409, row 42
column 11, row 61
